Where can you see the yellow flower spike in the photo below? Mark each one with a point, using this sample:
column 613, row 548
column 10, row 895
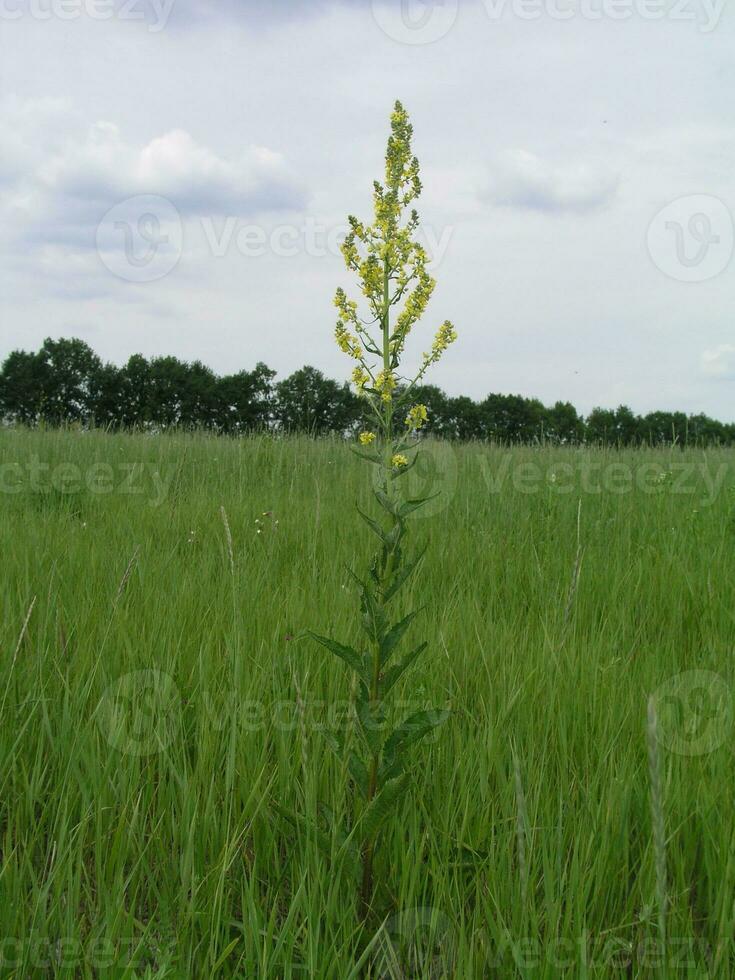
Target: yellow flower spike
column 385, row 383
column 347, row 342
column 417, row 417
column 445, row 336
column 396, row 288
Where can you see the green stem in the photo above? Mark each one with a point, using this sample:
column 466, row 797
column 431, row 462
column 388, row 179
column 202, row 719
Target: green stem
column 388, row 406
column 366, row 889
column 368, row 848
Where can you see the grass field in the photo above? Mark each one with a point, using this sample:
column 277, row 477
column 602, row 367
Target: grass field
column 155, row 700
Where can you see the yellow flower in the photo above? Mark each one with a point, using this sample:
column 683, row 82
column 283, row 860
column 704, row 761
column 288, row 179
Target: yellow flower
column 385, row 383
column 445, row 336
column 418, row 416
column 347, row 342
column 360, row 378
column 398, row 461
column 366, row 438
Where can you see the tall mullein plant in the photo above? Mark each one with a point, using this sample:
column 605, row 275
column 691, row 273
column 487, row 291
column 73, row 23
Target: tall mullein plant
column 396, row 287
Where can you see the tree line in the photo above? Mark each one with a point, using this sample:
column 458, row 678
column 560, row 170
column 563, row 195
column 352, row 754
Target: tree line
column 65, row 382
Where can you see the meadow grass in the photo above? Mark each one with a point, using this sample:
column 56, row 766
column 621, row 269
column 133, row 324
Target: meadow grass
column 158, row 700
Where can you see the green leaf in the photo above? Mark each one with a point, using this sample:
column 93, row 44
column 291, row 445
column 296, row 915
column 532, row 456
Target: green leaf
column 409, row 506
column 373, row 525
column 466, row 858
column 358, row 771
column 373, row 622
column 374, row 619
column 371, row 715
column 327, row 814
column 401, row 577
column 412, row 730
column 385, row 502
column 396, row 474
column 341, row 836
column 379, row 808
column 393, row 637
column 336, row 742
column 391, row 676
column 370, row 457
column 307, row 826
column 395, row 554
column 356, row 578
column 356, row 767
column 226, row 953
column 337, row 842
column 349, row 655
column 394, row 535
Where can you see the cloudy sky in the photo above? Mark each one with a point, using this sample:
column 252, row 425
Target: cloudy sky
column 175, row 176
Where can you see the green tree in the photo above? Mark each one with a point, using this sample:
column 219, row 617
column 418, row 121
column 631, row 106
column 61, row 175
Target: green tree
column 665, row 428
column 21, row 388
column 245, row 401
column 706, row 431
column 627, row 426
column 136, row 393
column 600, row 426
column 512, row 418
column 308, row 402
column 106, row 397
column 466, row 420
column 67, row 369
column 562, row 424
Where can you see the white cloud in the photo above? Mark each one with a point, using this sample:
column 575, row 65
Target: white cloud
column 566, row 308
column 521, row 179
column 61, row 196
column 29, row 129
column 719, row 362
column 173, row 165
